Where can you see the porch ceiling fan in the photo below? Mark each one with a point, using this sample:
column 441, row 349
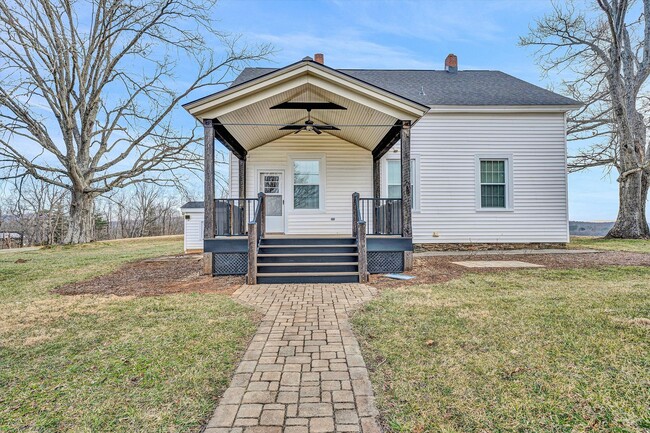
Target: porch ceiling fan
column 309, row 126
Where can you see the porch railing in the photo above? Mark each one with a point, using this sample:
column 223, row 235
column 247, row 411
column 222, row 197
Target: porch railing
column 233, row 215
column 383, row 216
column 359, row 232
column 256, row 231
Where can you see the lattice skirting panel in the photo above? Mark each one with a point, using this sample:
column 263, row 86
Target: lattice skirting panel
column 381, row 262
column 230, row 263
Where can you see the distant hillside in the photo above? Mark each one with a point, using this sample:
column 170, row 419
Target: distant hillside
column 589, row 228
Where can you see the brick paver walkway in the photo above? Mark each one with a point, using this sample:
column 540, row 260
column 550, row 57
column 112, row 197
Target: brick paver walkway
column 303, row 371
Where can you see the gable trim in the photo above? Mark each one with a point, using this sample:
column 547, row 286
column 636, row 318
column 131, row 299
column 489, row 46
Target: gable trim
column 307, row 69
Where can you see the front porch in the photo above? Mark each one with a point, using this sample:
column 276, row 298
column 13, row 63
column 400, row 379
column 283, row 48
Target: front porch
column 306, row 187
column 242, row 245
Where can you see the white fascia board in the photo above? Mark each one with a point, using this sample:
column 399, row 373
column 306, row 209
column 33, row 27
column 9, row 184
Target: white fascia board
column 301, row 73
column 185, row 210
column 502, row 108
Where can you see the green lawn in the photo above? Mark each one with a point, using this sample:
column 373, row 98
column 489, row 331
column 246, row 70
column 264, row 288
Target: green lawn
column 632, row 245
column 110, row 364
column 522, row 351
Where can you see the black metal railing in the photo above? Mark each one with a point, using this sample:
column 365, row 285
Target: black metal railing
column 383, row 216
column 233, row 214
column 256, row 229
column 259, row 217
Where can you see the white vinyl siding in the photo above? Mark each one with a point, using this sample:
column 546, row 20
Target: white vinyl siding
column 345, row 169
column 448, row 146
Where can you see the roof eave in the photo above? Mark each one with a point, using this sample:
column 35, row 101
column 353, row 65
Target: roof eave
column 551, row 108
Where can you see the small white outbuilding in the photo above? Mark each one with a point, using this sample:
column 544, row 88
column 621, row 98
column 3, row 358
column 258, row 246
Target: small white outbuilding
column 193, row 226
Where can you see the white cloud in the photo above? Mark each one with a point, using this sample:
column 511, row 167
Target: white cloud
column 347, row 49
column 436, row 21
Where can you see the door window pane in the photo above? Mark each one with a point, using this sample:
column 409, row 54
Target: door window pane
column 306, row 184
column 271, row 184
column 273, row 205
column 493, row 183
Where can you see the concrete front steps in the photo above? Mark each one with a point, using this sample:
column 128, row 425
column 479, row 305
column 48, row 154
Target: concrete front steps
column 307, row 260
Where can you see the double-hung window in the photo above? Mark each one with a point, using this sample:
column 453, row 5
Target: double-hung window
column 493, row 178
column 394, row 179
column 306, row 184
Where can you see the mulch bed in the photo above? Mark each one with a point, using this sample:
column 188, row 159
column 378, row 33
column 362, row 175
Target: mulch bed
column 439, row 269
column 152, row 277
column 182, row 274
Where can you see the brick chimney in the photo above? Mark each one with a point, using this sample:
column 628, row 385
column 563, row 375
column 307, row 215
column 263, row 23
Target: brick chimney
column 451, row 63
column 319, row 58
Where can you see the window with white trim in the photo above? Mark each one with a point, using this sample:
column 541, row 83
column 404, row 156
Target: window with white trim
column 394, row 179
column 493, row 178
column 306, row 184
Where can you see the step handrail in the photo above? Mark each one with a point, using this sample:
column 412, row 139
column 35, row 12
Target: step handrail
column 256, row 231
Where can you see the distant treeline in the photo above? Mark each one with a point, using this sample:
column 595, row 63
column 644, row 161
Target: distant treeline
column 588, row 228
column 38, row 212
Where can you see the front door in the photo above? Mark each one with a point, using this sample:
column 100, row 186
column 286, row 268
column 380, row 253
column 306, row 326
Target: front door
column 272, row 184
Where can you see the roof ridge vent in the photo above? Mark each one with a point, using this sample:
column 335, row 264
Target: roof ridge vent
column 307, row 59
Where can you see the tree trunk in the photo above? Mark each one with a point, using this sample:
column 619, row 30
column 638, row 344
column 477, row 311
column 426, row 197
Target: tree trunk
column 82, row 222
column 631, row 221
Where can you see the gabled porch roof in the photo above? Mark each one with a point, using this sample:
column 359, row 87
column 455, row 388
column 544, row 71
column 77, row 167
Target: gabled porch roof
column 244, row 120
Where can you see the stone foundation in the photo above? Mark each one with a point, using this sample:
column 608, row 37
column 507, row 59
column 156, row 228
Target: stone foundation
column 488, row 246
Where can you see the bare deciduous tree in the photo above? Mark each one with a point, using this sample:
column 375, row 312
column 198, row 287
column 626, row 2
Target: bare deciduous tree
column 142, row 210
column 606, row 50
column 88, row 89
column 36, row 209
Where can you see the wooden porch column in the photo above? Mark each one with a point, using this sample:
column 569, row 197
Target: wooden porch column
column 363, row 252
column 251, row 277
column 208, row 190
column 376, row 177
column 407, row 200
column 242, row 177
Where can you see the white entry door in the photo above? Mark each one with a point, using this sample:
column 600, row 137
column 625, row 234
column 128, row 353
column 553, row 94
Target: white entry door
column 272, row 184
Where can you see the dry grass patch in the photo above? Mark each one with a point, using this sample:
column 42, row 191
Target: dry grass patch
column 91, row 363
column 631, row 245
column 533, row 351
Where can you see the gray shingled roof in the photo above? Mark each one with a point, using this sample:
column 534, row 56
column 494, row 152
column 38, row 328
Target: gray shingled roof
column 193, row 205
column 444, row 88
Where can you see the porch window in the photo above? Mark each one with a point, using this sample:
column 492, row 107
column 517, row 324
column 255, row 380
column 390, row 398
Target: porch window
column 493, row 180
column 394, row 182
column 306, row 184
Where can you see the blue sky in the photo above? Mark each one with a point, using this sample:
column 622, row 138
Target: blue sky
column 412, row 34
